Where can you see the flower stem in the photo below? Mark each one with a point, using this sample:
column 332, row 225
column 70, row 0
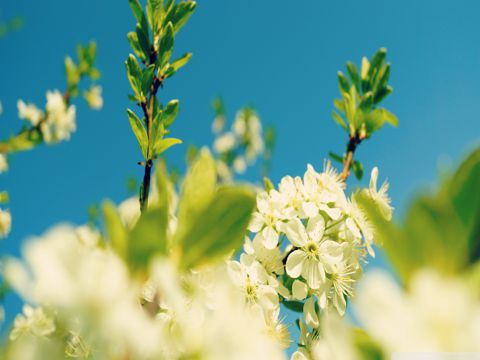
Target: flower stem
column 352, row 145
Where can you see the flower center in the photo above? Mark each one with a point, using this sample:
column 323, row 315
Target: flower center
column 251, row 292
column 312, row 248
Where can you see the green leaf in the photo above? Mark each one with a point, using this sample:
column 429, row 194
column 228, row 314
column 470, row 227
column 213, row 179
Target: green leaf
column 382, row 94
column 116, row 231
column 143, row 40
column 177, row 64
column 267, row 184
column 136, row 9
column 462, row 191
column 170, row 113
column 139, row 131
column 381, row 80
column 148, row 238
column 166, row 45
column 377, row 60
column 134, row 43
column 134, row 74
column 336, row 157
column 339, row 105
column 154, row 14
column 198, row 187
column 296, row 306
column 339, row 120
column 354, row 76
column 73, row 76
column 377, row 118
column 343, row 84
column 357, row 168
column 219, row 229
column 164, row 144
column 367, row 102
column 147, row 78
column 181, row 14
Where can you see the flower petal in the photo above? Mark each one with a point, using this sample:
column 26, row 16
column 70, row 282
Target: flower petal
column 310, row 314
column 295, row 263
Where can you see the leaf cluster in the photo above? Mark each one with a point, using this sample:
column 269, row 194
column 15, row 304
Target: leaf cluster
column 212, row 220
column 441, row 230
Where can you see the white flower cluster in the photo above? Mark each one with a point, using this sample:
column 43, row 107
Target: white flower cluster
column 326, row 236
column 241, row 145
column 87, row 302
column 309, row 242
column 57, row 123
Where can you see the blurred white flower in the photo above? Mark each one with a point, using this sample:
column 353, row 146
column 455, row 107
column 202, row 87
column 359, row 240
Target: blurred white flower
column 32, row 321
column 129, row 211
column 224, row 143
column 380, row 196
column 93, row 96
column 437, row 313
column 5, row 223
column 60, row 119
column 29, row 112
column 239, row 165
column 3, row 163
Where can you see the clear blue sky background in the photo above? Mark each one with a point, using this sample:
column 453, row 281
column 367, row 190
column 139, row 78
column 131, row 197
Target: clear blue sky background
column 280, row 56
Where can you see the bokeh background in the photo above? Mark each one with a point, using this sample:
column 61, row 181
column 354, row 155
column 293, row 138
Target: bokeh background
column 279, row 56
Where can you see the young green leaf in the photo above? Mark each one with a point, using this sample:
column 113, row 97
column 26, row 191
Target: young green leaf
column 220, row 228
column 339, row 120
column 147, row 78
column 116, row 231
column 140, row 132
column 198, row 187
column 336, row 157
column 164, row 144
column 354, row 76
column 177, row 64
column 148, row 238
column 357, row 168
column 136, row 9
column 343, row 84
column 166, row 45
column 134, row 74
column 170, row 113
column 267, row 184
column 134, row 43
column 181, row 14
column 143, row 40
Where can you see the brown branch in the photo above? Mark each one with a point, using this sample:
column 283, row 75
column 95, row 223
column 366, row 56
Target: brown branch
column 148, row 112
column 352, row 145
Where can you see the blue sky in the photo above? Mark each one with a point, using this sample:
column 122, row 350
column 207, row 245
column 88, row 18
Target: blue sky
column 280, row 56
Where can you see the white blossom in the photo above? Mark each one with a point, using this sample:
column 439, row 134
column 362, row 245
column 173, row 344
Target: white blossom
column 32, row 321
column 29, row 112
column 93, row 96
column 3, row 163
column 5, row 223
column 60, row 119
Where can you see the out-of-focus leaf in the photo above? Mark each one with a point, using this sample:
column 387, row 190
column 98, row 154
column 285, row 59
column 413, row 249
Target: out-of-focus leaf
column 218, row 229
column 148, row 238
column 116, row 231
column 198, row 188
